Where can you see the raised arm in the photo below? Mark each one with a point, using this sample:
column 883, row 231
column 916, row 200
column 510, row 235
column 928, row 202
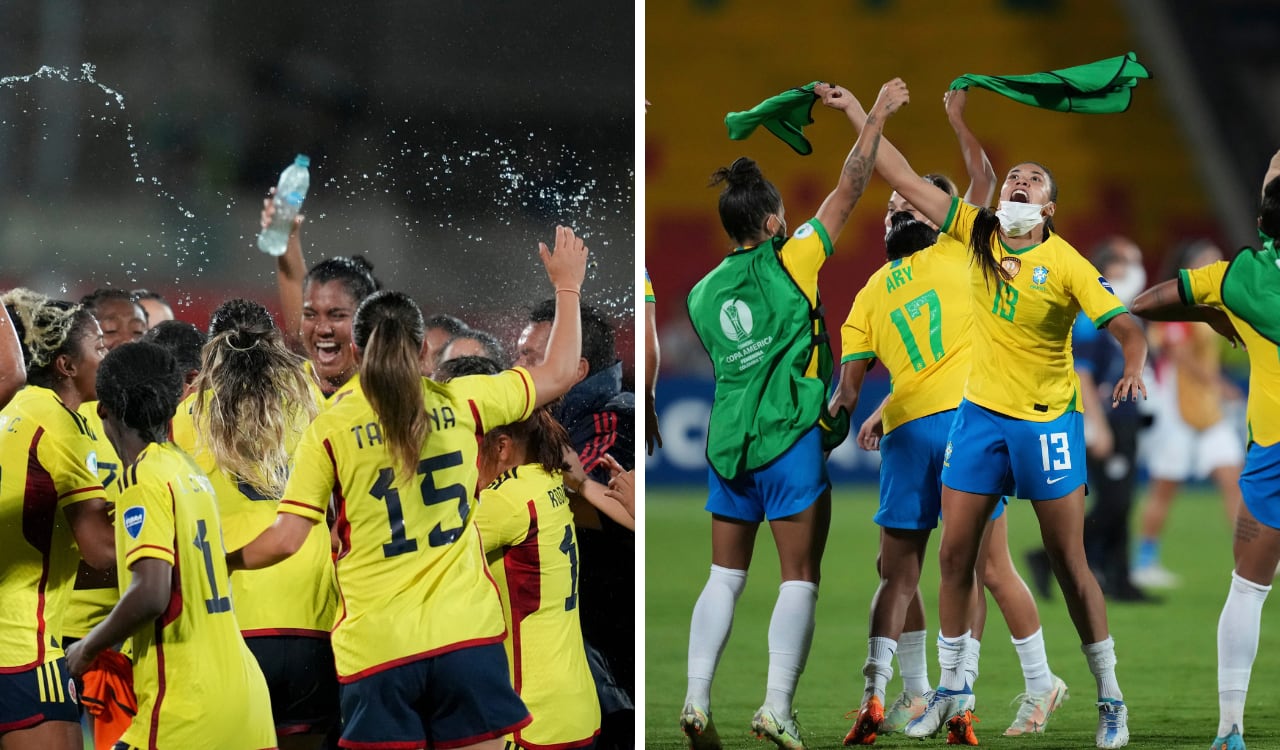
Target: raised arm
column 1273, row 170
column 982, row 177
column 893, row 167
column 858, row 165
column 1164, row 302
column 566, row 266
column 291, row 270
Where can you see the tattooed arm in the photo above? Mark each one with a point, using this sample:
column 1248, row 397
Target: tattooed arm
column 858, row 166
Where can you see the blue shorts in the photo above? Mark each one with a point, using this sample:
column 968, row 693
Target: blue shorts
column 451, row 700
column 301, row 680
column 911, row 473
column 992, row 454
column 783, row 487
column 37, row 695
column 1260, row 483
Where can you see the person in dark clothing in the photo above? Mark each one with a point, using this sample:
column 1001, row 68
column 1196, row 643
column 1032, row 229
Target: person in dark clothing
column 600, row 419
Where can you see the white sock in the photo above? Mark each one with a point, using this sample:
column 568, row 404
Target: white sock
column 951, row 660
column 709, row 630
column 879, row 667
column 1102, row 662
column 790, row 635
column 1238, row 628
column 913, row 662
column 972, row 651
column 1035, row 663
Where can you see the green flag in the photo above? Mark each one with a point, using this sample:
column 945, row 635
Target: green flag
column 784, row 115
column 1100, row 87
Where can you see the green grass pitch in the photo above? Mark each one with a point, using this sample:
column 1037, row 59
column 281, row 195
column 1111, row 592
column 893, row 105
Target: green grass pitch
column 1167, row 654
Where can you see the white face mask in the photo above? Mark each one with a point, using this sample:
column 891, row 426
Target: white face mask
column 1131, row 284
column 1016, row 219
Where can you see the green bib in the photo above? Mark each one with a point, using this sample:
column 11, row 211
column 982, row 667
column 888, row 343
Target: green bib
column 1251, row 288
column 759, row 330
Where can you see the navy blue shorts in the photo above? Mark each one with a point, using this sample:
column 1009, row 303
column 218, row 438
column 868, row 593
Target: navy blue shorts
column 44, row 693
column 1260, row 483
column 451, row 700
column 302, row 681
column 783, row 487
column 991, row 454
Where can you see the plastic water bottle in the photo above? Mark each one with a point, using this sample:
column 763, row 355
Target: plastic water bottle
column 290, row 192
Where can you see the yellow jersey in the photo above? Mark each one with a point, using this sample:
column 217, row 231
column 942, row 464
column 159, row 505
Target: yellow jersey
column 89, row 604
column 648, row 288
column 325, row 401
column 1203, row 286
column 296, row 597
column 1021, row 363
column 48, row 461
column 914, row 316
column 527, row 529
column 197, row 683
column 409, row 562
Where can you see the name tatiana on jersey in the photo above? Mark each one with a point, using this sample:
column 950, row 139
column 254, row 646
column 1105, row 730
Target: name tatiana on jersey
column 370, row 434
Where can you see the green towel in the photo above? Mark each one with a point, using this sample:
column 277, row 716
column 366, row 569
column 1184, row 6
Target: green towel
column 1251, row 288
column 784, row 115
column 1101, row 87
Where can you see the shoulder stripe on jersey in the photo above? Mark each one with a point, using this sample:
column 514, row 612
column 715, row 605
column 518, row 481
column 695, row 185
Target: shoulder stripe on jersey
column 301, row 504
column 90, row 488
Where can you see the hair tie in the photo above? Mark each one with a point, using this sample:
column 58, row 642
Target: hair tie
column 231, row 342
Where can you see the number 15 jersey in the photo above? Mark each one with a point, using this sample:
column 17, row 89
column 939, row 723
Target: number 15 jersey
column 412, row 578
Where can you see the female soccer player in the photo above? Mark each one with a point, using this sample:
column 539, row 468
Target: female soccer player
column 241, row 424
column 526, row 525
column 1018, row 430
column 196, row 682
column 121, row 316
column 1237, row 299
column 756, row 315
column 398, row 457
column 51, row 501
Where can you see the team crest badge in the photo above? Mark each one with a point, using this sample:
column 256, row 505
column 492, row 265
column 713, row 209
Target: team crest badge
column 1011, row 266
column 946, row 457
column 133, row 520
column 1039, row 275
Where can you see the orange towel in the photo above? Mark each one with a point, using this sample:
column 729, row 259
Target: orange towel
column 108, row 697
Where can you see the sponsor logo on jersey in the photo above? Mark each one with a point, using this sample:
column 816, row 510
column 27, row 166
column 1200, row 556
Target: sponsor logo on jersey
column 736, row 323
column 1106, row 284
column 133, row 518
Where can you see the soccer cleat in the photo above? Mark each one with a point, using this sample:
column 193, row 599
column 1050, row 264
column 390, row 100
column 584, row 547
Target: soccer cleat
column 785, row 733
column 903, row 710
column 1113, row 724
column 960, row 729
column 1035, row 710
column 1154, row 576
column 1233, row 740
column 868, row 722
column 696, row 724
column 943, row 706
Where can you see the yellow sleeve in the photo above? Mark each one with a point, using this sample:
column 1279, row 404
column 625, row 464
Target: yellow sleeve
column 648, row 288
column 311, row 480
column 500, row 520
column 71, row 459
column 803, row 255
column 959, row 221
column 147, row 520
column 498, row 399
column 1091, row 290
column 1203, row 286
column 855, row 334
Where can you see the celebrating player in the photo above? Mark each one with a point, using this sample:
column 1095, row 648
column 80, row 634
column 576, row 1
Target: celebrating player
column 196, row 681
column 755, row 314
column 1236, row 298
column 398, row 455
column 1019, row 429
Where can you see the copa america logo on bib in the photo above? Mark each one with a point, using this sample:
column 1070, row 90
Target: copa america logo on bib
column 735, row 320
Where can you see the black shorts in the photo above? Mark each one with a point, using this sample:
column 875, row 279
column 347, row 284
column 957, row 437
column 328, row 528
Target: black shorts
column 302, row 681
column 455, row 699
column 43, row 693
